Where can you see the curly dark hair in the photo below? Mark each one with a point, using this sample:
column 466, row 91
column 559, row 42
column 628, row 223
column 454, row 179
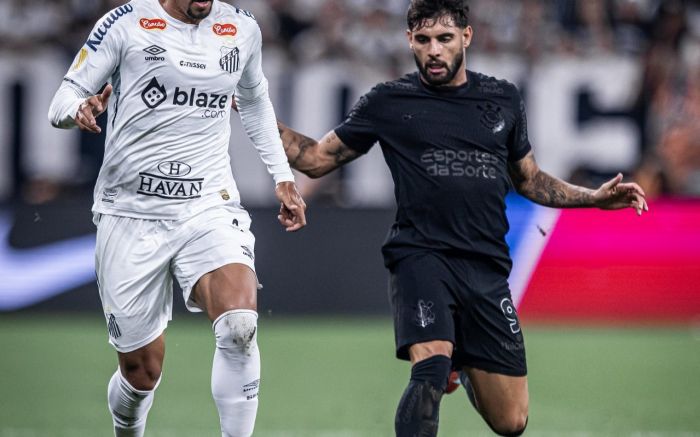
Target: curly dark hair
column 423, row 13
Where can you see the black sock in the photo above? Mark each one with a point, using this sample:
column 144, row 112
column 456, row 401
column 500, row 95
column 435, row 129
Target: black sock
column 419, row 408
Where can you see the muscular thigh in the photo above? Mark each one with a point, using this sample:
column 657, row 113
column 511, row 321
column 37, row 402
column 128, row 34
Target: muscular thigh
column 499, row 396
column 231, row 287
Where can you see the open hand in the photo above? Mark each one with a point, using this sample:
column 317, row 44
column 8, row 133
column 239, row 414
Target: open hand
column 292, row 207
column 90, row 109
column 616, row 195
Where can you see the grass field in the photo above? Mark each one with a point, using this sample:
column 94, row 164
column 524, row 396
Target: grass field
column 324, row 378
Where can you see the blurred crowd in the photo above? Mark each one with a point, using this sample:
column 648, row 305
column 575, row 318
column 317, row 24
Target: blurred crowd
column 663, row 36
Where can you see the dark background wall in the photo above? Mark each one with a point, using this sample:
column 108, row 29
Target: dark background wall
column 333, row 266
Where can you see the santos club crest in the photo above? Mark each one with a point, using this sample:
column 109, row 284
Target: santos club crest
column 229, row 59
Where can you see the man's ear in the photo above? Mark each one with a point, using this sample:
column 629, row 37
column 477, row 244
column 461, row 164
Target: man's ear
column 468, row 34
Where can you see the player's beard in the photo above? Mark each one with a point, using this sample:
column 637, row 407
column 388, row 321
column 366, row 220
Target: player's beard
column 197, row 13
column 451, row 70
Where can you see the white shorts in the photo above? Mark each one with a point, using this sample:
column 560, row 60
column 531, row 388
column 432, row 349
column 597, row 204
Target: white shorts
column 136, row 260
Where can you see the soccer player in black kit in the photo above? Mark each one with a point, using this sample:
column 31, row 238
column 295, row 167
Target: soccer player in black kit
column 456, row 142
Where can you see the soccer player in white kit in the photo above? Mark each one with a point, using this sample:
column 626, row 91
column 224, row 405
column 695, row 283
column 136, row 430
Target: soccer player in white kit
column 165, row 203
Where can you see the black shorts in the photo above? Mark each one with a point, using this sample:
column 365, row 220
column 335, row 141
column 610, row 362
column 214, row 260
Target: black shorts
column 465, row 301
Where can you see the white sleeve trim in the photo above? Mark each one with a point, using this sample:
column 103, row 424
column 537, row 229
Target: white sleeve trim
column 65, row 104
column 260, row 123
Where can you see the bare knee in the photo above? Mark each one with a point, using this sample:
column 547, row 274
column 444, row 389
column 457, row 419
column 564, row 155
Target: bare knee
column 141, row 376
column 509, row 423
column 142, row 367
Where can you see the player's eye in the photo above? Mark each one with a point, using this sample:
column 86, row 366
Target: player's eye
column 422, row 39
column 445, row 38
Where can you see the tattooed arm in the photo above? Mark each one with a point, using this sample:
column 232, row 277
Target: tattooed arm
column 313, row 158
column 542, row 188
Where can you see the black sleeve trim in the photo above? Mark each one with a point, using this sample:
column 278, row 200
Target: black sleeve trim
column 78, row 87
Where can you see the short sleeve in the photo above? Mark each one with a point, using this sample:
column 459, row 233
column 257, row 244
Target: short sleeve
column 358, row 131
column 101, row 55
column 518, row 141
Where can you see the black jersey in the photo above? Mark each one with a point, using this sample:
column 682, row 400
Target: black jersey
column 448, row 151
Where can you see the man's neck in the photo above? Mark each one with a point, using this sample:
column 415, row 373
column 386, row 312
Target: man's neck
column 171, row 8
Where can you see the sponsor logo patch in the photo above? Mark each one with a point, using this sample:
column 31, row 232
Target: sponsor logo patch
column 424, row 314
column 230, row 59
column 225, row 29
column 491, row 118
column 153, row 23
column 247, row 252
column 461, row 163
column 113, row 327
column 251, row 389
column 174, row 169
column 212, row 105
column 154, row 51
column 101, row 31
column 109, row 194
column 510, row 315
column 154, row 94
column 80, row 59
column 197, row 65
column 169, row 188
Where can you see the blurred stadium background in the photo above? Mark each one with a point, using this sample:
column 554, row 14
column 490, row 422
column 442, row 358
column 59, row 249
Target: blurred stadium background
column 610, row 301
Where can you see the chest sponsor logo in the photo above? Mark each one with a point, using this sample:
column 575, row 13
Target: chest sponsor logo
column 172, row 188
column 154, row 94
column 213, row 105
column 461, row 163
column 153, row 23
column 80, row 59
column 154, row 51
column 197, row 65
column 230, row 59
column 100, row 32
column 225, row 29
column 174, row 169
column 491, row 117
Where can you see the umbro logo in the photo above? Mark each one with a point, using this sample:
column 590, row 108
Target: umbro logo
column 154, row 51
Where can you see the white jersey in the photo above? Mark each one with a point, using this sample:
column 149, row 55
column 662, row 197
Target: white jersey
column 166, row 149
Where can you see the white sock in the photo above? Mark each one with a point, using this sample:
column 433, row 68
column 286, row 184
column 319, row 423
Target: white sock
column 235, row 373
column 129, row 407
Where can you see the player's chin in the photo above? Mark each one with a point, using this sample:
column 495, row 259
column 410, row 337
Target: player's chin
column 200, row 9
column 437, row 79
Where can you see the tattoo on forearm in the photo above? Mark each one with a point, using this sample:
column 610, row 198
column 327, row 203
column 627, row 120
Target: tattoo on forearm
column 545, row 189
column 550, row 191
column 295, row 145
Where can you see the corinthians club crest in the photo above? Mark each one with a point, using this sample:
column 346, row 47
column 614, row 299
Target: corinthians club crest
column 229, row 59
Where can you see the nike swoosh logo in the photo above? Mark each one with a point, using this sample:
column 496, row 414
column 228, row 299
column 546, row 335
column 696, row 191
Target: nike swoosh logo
column 39, row 273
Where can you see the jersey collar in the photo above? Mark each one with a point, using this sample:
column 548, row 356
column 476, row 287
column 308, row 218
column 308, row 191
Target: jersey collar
column 447, row 91
column 172, row 21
